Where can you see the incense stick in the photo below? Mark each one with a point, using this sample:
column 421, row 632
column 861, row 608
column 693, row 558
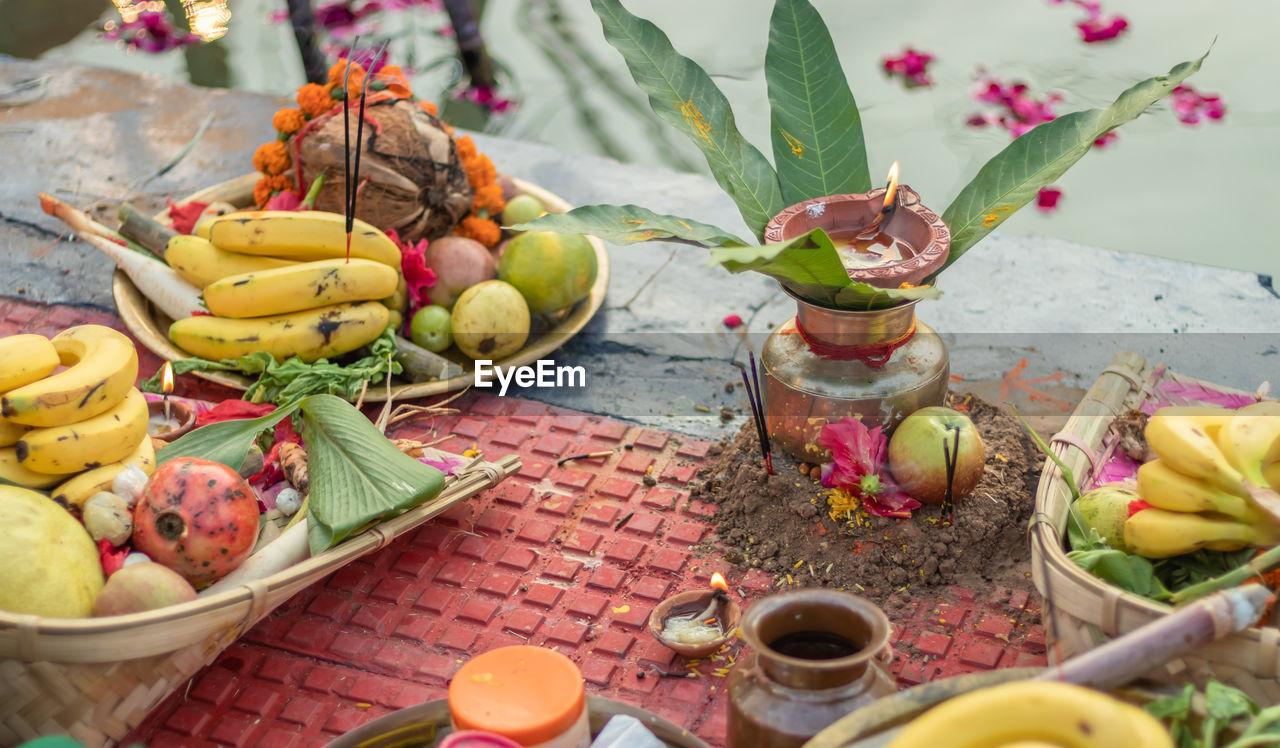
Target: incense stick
column 757, row 417
column 951, row 454
column 764, row 426
column 346, row 143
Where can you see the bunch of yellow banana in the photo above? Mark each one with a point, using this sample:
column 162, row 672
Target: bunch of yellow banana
column 1034, row 713
column 1213, row 484
column 280, row 281
column 73, row 430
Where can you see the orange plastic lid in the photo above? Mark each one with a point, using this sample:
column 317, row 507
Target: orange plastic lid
column 529, row 694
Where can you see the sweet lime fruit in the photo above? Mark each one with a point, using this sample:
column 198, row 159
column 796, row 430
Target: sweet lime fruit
column 490, row 321
column 552, row 271
column 432, row 328
column 51, row 565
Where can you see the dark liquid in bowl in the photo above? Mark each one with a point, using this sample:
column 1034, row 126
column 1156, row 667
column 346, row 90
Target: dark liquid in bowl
column 813, row 645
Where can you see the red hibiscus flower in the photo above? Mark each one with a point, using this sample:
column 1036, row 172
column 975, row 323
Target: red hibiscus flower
column 858, row 466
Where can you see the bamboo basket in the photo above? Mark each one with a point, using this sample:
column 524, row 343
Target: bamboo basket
column 1082, row 611
column 96, row 679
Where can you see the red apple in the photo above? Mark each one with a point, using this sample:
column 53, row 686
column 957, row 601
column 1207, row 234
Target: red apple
column 918, row 461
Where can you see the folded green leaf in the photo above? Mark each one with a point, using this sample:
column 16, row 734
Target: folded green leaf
column 1014, row 176
column 815, row 126
column 226, row 442
column 1126, row 571
column 628, row 224
column 357, row 477
column 682, row 93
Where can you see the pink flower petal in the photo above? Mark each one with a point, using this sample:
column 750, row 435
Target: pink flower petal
column 731, row 321
column 285, row 200
column 911, row 66
column 1096, row 30
column 1047, row 199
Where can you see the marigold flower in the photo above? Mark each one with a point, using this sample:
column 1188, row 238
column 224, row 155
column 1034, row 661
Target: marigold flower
column 480, row 171
column 481, row 229
column 315, row 100
column 288, row 120
column 262, row 191
column 429, row 107
column 272, row 158
column 466, row 148
column 489, row 199
column 397, row 83
column 339, row 69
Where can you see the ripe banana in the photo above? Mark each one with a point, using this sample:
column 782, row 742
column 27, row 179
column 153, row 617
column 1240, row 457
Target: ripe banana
column 13, row 471
column 1211, row 418
column 301, row 235
column 1182, row 442
column 74, row 492
column 302, row 285
column 24, row 359
column 312, row 334
column 201, row 263
column 1161, row 486
column 103, row 365
column 398, row 301
column 11, row 432
column 106, row 437
column 1159, row 533
column 1055, row 713
column 1272, row 474
column 1250, row 443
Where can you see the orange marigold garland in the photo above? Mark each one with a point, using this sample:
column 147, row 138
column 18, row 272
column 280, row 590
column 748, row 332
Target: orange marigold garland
column 314, row 100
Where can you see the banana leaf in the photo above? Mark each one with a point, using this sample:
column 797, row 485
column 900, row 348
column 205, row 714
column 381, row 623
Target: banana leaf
column 682, row 93
column 1014, row 176
column 628, row 224
column 226, row 442
column 815, row 127
column 357, row 477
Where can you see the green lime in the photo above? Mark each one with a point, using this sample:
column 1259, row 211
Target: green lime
column 431, row 328
column 521, row 209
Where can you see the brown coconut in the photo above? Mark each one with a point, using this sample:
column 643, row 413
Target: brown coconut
column 413, row 180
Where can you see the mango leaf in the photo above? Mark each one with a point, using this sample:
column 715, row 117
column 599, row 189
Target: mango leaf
column 814, row 123
column 1127, row 571
column 682, row 93
column 226, row 442
column 810, row 267
column 357, row 477
column 628, row 224
column 1010, row 179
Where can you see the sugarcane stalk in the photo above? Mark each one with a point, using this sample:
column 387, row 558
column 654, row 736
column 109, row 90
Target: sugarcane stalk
column 1185, row 629
column 144, row 229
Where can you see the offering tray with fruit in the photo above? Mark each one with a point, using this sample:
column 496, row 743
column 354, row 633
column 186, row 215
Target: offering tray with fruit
column 150, row 325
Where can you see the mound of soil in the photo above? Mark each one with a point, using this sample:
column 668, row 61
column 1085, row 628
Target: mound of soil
column 780, row 523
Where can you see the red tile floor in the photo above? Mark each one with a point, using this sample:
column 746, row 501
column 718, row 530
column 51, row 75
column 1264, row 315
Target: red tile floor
column 538, row 560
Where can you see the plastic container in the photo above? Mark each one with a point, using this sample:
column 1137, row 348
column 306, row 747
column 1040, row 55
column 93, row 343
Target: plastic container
column 476, row 739
column 532, row 695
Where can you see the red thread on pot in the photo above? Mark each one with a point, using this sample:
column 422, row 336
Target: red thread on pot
column 874, row 355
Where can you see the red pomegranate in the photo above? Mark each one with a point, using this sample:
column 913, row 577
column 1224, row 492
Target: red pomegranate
column 197, row 517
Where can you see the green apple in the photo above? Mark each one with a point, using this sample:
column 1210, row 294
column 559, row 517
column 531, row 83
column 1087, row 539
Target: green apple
column 431, row 328
column 917, row 458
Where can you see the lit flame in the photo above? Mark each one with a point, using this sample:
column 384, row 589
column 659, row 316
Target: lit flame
column 166, row 378
column 892, row 190
column 718, row 583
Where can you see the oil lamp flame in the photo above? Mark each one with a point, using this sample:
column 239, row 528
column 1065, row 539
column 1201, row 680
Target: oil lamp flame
column 718, row 582
column 891, row 191
column 166, row 378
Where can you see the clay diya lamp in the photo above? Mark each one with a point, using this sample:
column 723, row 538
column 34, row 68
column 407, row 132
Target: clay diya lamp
column 697, row 623
column 169, row 419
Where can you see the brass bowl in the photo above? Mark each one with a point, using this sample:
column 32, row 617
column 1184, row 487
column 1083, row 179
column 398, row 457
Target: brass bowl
column 150, row 326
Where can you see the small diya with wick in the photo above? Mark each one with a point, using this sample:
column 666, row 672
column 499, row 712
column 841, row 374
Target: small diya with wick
column 169, row 419
column 877, row 365
column 696, row 623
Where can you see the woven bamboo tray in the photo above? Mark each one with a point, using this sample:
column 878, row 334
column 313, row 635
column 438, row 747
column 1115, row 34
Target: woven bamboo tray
column 1081, row 611
column 96, row 679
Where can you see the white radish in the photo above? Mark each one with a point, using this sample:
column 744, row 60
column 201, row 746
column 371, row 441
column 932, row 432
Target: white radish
column 285, row 551
column 170, row 292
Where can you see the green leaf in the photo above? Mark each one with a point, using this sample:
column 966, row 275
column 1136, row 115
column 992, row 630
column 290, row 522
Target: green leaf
column 810, row 267
column 1014, row 176
column 628, row 224
column 226, row 442
column 682, row 93
column 1226, row 703
column 1126, row 571
column 1080, row 536
column 814, row 123
column 357, row 477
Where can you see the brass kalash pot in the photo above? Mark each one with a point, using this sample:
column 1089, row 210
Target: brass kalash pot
column 877, row 365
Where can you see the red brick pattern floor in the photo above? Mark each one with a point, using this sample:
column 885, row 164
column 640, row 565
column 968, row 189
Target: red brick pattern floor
column 539, row 560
